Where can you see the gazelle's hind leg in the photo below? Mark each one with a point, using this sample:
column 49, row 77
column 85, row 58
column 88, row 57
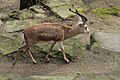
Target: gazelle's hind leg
column 23, row 48
column 62, row 48
column 49, row 53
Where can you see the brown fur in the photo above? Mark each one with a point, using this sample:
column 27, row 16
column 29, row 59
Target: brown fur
column 49, row 32
column 45, row 32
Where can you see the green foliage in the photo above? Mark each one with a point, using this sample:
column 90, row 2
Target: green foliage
column 107, row 11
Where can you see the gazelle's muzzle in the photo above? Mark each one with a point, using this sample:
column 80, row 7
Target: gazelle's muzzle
column 86, row 29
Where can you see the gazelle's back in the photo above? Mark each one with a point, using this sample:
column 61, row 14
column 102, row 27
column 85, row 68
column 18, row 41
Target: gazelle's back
column 45, row 32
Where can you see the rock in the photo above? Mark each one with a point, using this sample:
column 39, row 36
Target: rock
column 119, row 14
column 1, row 23
column 57, row 3
column 37, row 9
column 7, row 6
column 72, row 47
column 1, row 27
column 92, row 77
column 40, row 12
column 63, row 11
column 11, row 42
column 4, row 16
column 102, row 3
column 26, row 14
column 61, row 8
column 68, row 77
column 10, row 77
column 39, row 16
column 114, row 76
column 15, row 25
column 9, row 45
column 109, row 41
column 32, row 13
column 50, row 78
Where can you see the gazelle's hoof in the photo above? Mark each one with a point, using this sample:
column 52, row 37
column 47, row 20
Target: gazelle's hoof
column 14, row 62
column 67, row 61
column 34, row 62
column 47, row 58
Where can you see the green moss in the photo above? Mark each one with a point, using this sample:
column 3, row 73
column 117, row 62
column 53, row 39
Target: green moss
column 96, row 45
column 26, row 14
column 107, row 11
column 81, row 10
column 8, row 45
column 73, row 46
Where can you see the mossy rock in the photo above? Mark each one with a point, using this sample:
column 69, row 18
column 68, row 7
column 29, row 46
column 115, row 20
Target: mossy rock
column 1, row 24
column 10, row 77
column 63, row 11
column 26, row 14
column 50, row 78
column 9, row 45
column 92, row 77
column 61, row 7
column 55, row 3
column 20, row 24
column 4, row 16
column 72, row 48
column 22, row 14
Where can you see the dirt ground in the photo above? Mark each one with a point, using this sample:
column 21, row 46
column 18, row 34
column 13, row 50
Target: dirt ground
column 98, row 61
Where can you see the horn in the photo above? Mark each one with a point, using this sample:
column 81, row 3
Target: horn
column 72, row 11
column 84, row 19
column 81, row 15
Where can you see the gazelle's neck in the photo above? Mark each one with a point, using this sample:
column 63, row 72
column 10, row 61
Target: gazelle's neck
column 74, row 31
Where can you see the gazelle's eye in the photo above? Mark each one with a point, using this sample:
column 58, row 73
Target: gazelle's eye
column 85, row 28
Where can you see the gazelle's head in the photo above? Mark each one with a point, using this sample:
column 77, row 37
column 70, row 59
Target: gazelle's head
column 82, row 24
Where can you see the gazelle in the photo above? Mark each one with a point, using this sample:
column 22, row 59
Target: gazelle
column 52, row 32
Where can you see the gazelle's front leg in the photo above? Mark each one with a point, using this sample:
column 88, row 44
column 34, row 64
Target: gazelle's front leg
column 49, row 53
column 62, row 48
column 31, row 56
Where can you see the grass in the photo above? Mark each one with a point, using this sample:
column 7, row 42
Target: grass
column 107, row 11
